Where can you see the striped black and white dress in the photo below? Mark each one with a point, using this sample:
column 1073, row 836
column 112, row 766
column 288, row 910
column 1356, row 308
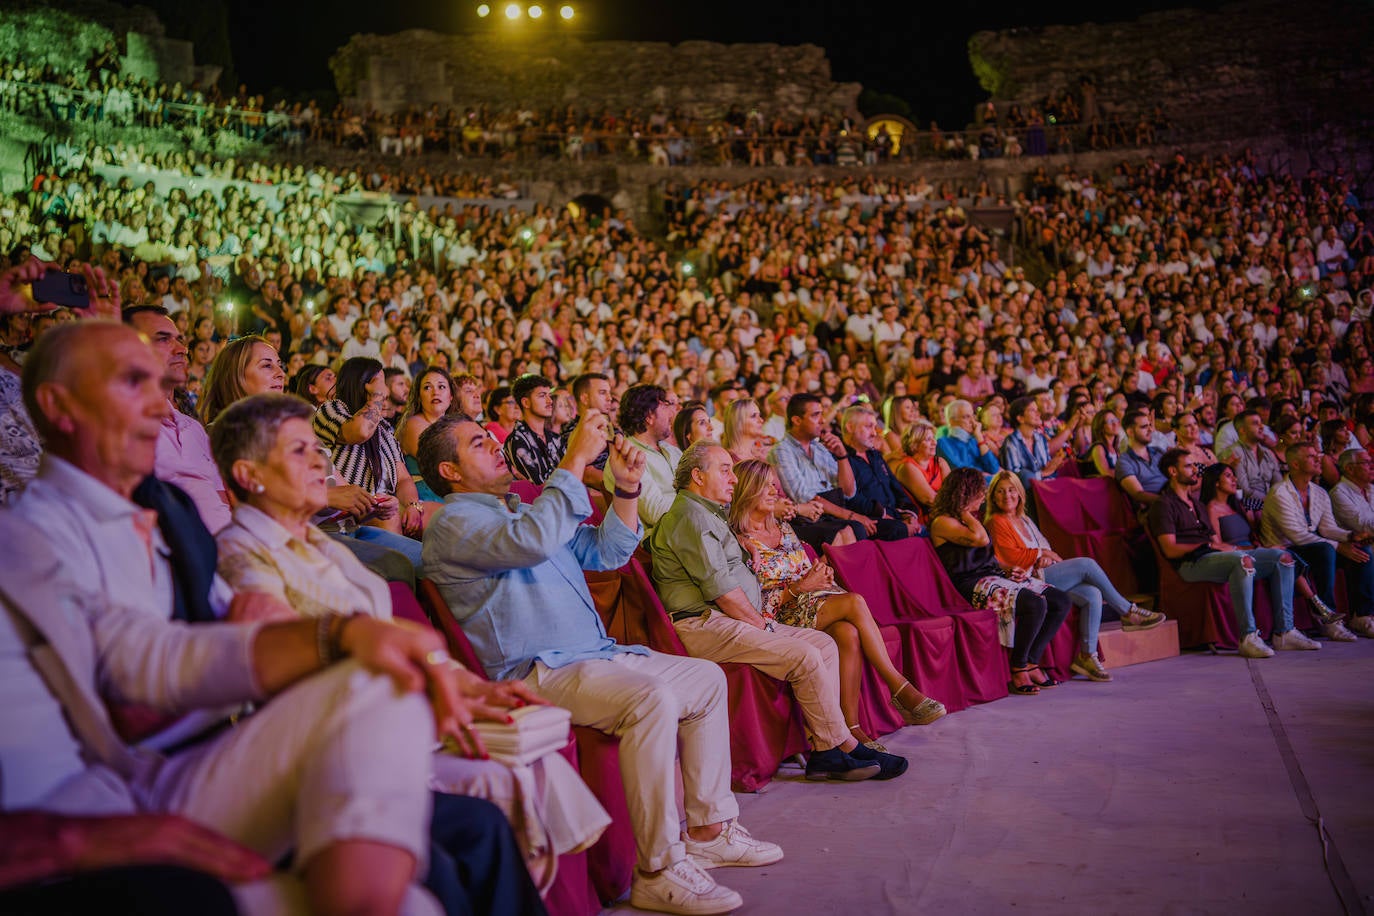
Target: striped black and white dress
column 350, row 461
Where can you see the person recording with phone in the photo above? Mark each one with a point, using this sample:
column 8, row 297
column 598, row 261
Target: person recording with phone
column 26, row 289
column 366, row 454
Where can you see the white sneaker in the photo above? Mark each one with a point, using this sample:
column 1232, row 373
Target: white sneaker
column 1336, row 632
column 1364, row 626
column 734, row 846
column 1294, row 639
column 682, row 888
column 1253, row 647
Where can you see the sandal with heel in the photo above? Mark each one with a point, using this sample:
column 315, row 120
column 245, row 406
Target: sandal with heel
column 1025, row 690
column 923, row 713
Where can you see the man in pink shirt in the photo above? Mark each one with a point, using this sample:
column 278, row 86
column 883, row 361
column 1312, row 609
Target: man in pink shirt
column 183, row 447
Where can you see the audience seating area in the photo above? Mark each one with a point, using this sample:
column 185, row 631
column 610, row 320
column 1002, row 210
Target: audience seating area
column 937, row 639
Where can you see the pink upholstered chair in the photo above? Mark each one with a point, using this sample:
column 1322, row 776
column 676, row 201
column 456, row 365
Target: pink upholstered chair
column 924, row 646
column 1093, row 518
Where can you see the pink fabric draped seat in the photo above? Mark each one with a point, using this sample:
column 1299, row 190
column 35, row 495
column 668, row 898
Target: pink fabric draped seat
column 528, row 492
column 943, row 642
column 1092, row 517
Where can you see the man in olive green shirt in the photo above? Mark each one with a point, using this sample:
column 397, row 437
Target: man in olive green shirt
column 714, row 599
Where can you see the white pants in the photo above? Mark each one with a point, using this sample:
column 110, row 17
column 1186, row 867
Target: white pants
column 339, row 756
column 656, row 705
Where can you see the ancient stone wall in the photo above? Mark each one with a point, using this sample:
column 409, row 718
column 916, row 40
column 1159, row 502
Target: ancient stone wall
column 701, row 78
column 1251, row 66
column 67, row 38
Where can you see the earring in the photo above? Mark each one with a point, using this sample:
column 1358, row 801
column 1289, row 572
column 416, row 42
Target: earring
column 259, row 488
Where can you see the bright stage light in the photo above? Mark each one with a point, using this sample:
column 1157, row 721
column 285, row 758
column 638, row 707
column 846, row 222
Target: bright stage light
column 565, row 11
column 484, row 11
column 513, row 11
column 535, row 11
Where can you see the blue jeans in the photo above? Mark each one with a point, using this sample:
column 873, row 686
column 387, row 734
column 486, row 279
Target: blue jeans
column 1323, row 560
column 1229, row 566
column 397, row 542
column 1088, row 588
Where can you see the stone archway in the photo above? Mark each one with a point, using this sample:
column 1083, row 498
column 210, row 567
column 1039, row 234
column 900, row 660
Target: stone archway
column 591, row 205
column 901, row 131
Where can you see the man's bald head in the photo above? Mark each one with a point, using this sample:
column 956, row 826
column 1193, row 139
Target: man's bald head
column 95, row 391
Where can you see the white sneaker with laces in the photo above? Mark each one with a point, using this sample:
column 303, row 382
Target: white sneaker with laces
column 1335, row 631
column 1253, row 647
column 682, row 888
column 1364, row 626
column 734, row 846
column 1295, row 639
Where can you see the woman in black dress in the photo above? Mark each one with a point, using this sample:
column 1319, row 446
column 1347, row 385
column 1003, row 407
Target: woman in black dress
column 1029, row 612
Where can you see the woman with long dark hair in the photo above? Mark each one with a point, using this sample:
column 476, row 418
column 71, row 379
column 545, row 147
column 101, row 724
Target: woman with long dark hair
column 364, row 448
column 1029, row 612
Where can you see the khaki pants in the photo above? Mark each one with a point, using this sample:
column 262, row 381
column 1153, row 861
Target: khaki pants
column 658, row 706
column 807, row 659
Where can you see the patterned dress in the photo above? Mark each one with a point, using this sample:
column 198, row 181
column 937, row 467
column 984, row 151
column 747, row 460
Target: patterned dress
column 19, row 445
column 777, row 568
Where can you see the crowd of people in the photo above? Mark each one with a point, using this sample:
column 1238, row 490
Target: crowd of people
column 260, row 416
column 1061, row 122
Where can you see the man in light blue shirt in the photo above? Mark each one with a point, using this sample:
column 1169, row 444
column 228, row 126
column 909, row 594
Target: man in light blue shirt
column 1028, row 452
column 1137, row 465
column 512, row 576
column 962, row 444
column 814, row 470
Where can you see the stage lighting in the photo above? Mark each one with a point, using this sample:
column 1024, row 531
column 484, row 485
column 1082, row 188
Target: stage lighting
column 535, row 11
column 513, row 11
column 484, row 11
column 565, row 11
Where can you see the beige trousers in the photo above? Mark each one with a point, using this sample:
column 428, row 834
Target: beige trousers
column 807, row 659
column 660, row 706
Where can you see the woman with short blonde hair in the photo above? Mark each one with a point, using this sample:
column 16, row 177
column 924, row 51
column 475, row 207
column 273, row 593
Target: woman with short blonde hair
column 1020, row 546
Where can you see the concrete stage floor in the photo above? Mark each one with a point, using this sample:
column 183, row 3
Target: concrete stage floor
column 1189, row 785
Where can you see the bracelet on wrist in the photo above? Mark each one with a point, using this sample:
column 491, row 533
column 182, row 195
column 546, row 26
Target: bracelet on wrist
column 323, row 625
column 629, row 494
column 329, row 638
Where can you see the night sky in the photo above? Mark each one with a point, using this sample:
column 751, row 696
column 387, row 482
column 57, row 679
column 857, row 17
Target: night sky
column 917, row 51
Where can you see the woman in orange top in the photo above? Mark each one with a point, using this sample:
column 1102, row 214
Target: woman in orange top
column 919, row 469
column 1020, row 545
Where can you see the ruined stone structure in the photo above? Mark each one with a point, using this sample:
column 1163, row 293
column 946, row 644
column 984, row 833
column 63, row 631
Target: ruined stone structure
column 68, row 37
column 389, row 72
column 1250, row 68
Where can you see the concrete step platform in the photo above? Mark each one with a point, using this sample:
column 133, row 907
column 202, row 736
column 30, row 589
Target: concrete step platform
column 1120, row 648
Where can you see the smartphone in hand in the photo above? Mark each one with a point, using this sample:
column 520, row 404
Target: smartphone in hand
column 65, row 289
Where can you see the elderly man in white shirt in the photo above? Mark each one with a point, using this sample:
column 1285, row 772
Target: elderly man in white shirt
column 334, row 767
column 1297, row 516
column 1352, row 499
